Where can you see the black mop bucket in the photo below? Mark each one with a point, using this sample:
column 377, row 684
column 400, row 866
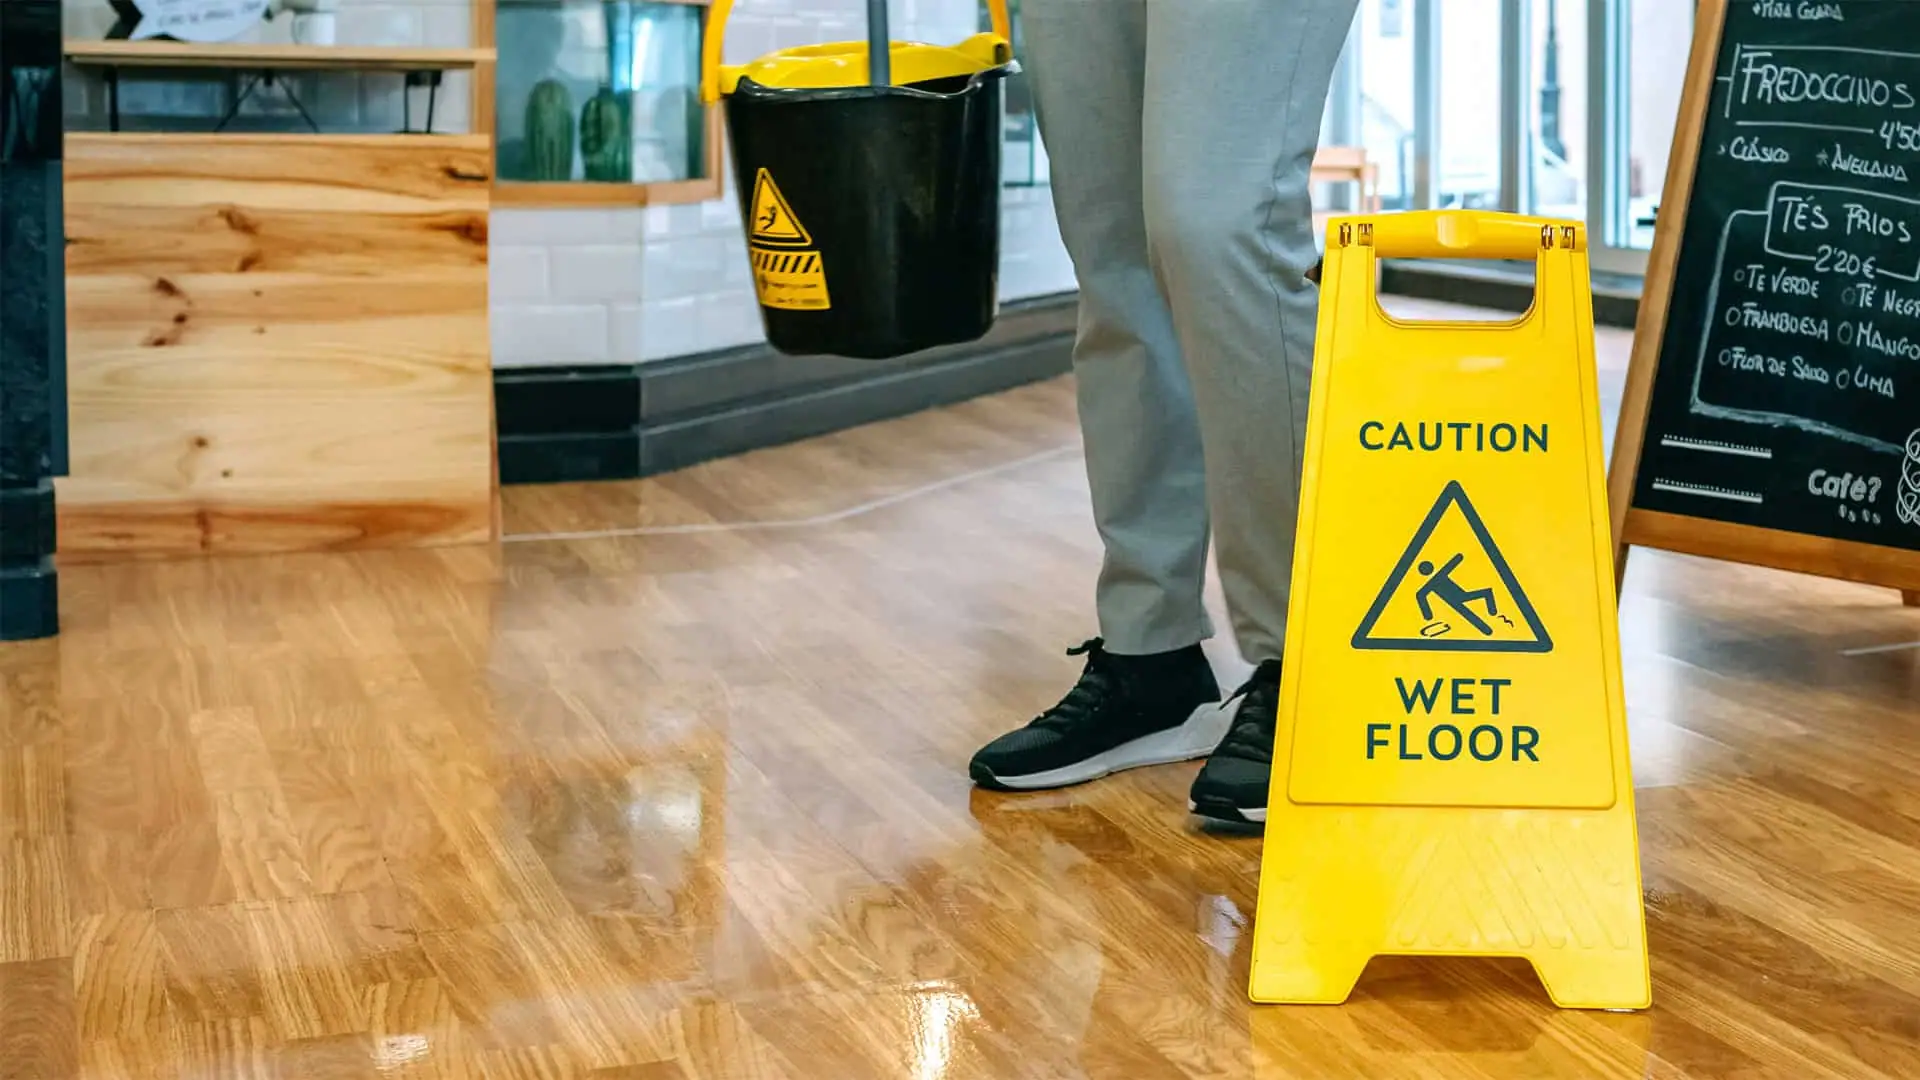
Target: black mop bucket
column 869, row 185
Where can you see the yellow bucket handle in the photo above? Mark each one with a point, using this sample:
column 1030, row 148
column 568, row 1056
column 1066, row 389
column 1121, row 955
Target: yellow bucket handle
column 713, row 40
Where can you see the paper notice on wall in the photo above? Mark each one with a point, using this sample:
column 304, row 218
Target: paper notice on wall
column 197, row 20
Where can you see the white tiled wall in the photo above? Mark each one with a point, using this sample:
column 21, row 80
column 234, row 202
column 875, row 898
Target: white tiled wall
column 596, row 286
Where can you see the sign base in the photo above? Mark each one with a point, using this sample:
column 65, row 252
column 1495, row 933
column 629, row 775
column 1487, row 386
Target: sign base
column 1348, row 884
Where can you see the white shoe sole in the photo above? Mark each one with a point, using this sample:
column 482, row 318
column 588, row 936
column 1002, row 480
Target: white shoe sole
column 1196, row 738
column 1255, row 815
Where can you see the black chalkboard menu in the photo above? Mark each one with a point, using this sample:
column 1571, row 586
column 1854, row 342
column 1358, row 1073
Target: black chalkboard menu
column 1776, row 376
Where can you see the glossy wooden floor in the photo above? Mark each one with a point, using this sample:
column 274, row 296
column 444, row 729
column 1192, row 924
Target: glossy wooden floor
column 686, row 801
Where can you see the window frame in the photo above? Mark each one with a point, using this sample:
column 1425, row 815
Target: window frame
column 590, row 193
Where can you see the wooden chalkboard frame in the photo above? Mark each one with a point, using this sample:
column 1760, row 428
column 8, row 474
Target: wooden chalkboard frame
column 1869, row 564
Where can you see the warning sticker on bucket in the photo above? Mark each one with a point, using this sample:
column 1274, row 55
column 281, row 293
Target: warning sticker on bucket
column 774, row 222
column 790, row 280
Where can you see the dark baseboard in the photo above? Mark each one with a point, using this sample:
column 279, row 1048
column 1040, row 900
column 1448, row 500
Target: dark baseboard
column 627, row 420
column 620, row 421
column 1616, row 297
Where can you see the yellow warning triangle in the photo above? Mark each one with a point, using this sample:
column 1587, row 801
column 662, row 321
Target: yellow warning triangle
column 1452, row 591
column 773, row 219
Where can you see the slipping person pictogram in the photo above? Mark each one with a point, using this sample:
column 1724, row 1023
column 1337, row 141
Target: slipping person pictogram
column 774, row 222
column 1442, row 587
column 1470, row 602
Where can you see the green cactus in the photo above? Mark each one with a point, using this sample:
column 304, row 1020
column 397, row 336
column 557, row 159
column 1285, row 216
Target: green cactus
column 606, row 138
column 550, row 131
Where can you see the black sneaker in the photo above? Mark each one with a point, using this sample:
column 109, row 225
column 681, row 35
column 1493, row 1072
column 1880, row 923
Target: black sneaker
column 1232, row 785
column 1125, row 712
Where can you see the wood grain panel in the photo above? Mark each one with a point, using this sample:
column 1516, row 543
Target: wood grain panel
column 37, row 1040
column 255, row 55
column 1840, row 559
column 277, row 344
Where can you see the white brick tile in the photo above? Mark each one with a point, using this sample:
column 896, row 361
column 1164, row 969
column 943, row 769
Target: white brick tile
column 538, row 334
column 379, row 25
column 751, row 37
column 598, row 272
column 452, row 108
column 840, row 28
column 446, row 26
column 722, row 216
column 516, row 274
column 729, row 319
column 675, row 220
column 735, row 271
column 851, row 9
column 624, row 333
column 86, row 21
column 682, row 268
column 669, row 328
column 556, row 227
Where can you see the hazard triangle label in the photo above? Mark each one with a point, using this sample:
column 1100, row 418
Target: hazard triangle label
column 1452, row 591
column 774, row 222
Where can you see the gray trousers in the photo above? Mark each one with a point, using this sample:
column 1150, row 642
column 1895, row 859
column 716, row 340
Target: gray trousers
column 1180, row 133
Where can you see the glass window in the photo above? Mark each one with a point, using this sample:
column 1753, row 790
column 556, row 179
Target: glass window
column 598, row 90
column 1023, row 161
column 1469, row 136
column 1556, row 104
column 1384, row 50
column 1659, row 36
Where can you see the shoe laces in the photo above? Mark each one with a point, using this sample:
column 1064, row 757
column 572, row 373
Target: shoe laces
column 1097, row 680
column 1258, row 712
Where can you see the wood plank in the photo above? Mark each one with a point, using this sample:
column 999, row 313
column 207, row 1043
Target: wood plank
column 480, row 35
column 638, row 801
column 277, row 344
column 1842, row 560
column 282, row 57
column 37, row 1040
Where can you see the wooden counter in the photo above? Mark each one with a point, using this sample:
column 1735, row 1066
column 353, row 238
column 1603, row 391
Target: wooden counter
column 276, row 343
column 256, row 56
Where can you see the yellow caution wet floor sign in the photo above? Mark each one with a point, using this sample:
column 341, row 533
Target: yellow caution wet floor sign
column 1450, row 770
column 784, row 275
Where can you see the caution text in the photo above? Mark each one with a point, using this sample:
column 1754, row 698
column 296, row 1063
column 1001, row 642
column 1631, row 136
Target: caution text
column 1460, row 437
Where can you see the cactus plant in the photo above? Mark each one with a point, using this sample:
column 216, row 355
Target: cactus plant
column 606, row 136
column 550, row 131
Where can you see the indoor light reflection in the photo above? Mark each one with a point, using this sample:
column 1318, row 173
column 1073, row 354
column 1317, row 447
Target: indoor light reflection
column 939, row 1014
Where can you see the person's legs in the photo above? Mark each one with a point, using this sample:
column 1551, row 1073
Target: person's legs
column 1142, row 698
column 1234, row 94
column 1137, row 419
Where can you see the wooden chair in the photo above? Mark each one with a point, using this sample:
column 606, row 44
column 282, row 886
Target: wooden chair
column 1343, row 165
column 1348, row 165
